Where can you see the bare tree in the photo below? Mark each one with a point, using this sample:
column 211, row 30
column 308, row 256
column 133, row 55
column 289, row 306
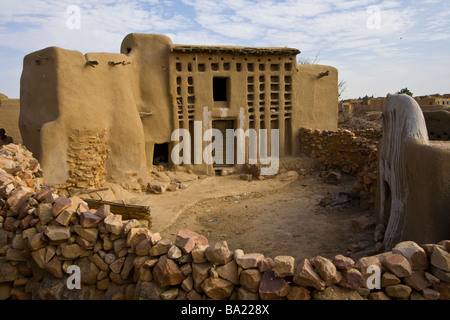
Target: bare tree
column 342, row 85
column 309, row 60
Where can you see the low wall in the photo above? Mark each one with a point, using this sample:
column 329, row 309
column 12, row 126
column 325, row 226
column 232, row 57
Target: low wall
column 54, row 247
column 353, row 153
column 9, row 119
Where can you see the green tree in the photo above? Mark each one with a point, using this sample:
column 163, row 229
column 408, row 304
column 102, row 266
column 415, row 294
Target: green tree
column 405, row 91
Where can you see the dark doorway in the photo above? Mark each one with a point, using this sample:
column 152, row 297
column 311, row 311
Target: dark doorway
column 222, row 126
column 161, row 154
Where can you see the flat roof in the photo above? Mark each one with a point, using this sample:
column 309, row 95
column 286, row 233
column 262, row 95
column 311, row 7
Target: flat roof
column 234, row 50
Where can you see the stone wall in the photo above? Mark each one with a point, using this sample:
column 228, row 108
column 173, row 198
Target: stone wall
column 87, row 155
column 43, row 235
column 350, row 152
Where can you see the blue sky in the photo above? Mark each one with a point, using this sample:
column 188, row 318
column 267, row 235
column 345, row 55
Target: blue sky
column 378, row 47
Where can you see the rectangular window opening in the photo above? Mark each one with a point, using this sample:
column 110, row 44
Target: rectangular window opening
column 220, row 89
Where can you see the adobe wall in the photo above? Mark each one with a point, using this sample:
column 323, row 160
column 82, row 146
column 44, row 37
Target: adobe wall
column 414, row 182
column 149, row 80
column 44, row 235
column 61, row 93
column 9, row 120
column 438, row 124
column 317, row 97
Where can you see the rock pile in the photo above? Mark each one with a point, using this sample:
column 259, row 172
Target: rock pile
column 18, row 168
column 347, row 151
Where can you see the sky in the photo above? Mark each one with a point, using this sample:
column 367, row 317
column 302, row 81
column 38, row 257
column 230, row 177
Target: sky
column 378, row 47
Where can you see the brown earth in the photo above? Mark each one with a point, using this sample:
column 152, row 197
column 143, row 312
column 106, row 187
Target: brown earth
column 282, row 221
column 276, row 216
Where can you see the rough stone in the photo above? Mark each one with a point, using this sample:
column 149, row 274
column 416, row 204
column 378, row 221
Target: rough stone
column 284, row 266
column 416, row 255
column 229, row 272
column 113, row 224
column 136, row 236
column 117, row 265
column 198, row 253
column 343, row 263
column 170, row 294
column 398, row 291
column 200, row 272
column 250, row 260
column 143, row 248
column 398, row 265
column 444, row 290
column 266, row 264
column 162, row 247
column 306, row 276
column 430, row 294
column 352, row 279
column 336, row 293
column 379, row 295
column 174, row 253
column 54, row 266
column 417, row 281
column 149, row 291
column 186, row 245
column 64, row 217
column 89, row 219
column 167, row 273
column 389, row 279
column 299, row 293
column 244, row 294
column 441, row 275
column 198, row 238
column 324, row 267
column 218, row 253
column 56, row 233
column 61, row 204
column 250, row 279
column 45, row 212
column 89, row 271
column 217, row 288
column 8, row 272
column 90, row 234
column 440, row 259
column 272, row 287
column 71, row 251
column 5, row 291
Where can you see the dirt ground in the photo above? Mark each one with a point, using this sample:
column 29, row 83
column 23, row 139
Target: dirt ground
column 283, row 221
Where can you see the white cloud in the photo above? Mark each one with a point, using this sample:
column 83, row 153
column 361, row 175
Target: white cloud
column 408, row 30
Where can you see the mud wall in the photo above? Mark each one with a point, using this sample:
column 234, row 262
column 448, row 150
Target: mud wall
column 9, row 119
column 412, row 195
column 438, row 124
